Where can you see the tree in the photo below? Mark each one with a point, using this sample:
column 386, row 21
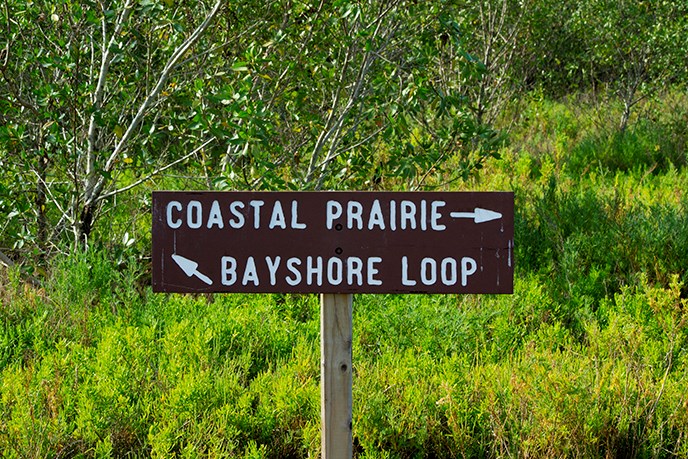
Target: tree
column 490, row 37
column 633, row 47
column 339, row 95
column 100, row 96
column 84, row 86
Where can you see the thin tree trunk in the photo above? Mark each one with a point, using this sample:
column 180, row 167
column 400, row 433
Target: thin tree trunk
column 40, row 203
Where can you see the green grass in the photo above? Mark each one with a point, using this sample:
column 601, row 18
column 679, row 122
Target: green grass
column 586, row 359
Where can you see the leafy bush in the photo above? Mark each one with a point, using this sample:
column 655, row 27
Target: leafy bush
column 586, row 359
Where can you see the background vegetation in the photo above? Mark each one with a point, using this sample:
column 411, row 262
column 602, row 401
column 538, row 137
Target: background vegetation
column 580, row 108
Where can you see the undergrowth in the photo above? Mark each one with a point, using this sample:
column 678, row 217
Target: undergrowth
column 586, row 359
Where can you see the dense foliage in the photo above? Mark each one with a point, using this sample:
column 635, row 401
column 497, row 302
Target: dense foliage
column 99, row 97
column 586, row 359
column 579, row 107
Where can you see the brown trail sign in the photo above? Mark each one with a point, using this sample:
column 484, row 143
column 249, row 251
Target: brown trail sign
column 335, row 244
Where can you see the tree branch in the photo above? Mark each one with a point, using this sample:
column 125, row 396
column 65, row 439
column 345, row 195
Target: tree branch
column 97, row 102
column 154, row 173
column 92, row 194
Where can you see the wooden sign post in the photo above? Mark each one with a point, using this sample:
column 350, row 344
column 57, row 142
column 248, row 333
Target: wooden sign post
column 334, row 244
column 336, row 413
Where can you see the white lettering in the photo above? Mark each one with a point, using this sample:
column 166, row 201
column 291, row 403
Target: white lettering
column 407, row 213
column 448, row 271
column 333, row 211
column 295, row 224
column 215, row 217
column 435, row 215
column 354, row 267
column 312, row 270
column 239, row 221
column 428, row 271
column 174, row 224
column 194, row 215
column 291, row 266
column 468, row 267
column 354, row 212
column 277, row 218
column 256, row 212
column 334, row 271
column 372, row 270
column 404, row 273
column 272, row 267
column 228, row 270
column 393, row 215
column 425, row 215
column 250, row 273
column 376, row 217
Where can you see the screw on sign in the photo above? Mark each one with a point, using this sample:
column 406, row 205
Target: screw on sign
column 335, row 244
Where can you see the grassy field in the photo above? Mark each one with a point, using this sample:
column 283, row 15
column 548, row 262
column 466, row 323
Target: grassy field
column 586, row 359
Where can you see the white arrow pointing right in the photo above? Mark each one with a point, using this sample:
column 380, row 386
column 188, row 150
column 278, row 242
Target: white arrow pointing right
column 478, row 215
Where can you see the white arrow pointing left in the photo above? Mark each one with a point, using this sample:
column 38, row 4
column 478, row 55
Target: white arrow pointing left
column 479, row 215
column 190, row 268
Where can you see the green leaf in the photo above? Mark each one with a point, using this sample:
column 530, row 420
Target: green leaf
column 240, row 67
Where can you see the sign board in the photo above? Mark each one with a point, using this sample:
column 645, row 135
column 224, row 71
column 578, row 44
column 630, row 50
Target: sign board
column 333, row 242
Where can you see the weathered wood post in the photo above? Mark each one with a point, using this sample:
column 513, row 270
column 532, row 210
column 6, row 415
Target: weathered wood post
column 336, row 376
